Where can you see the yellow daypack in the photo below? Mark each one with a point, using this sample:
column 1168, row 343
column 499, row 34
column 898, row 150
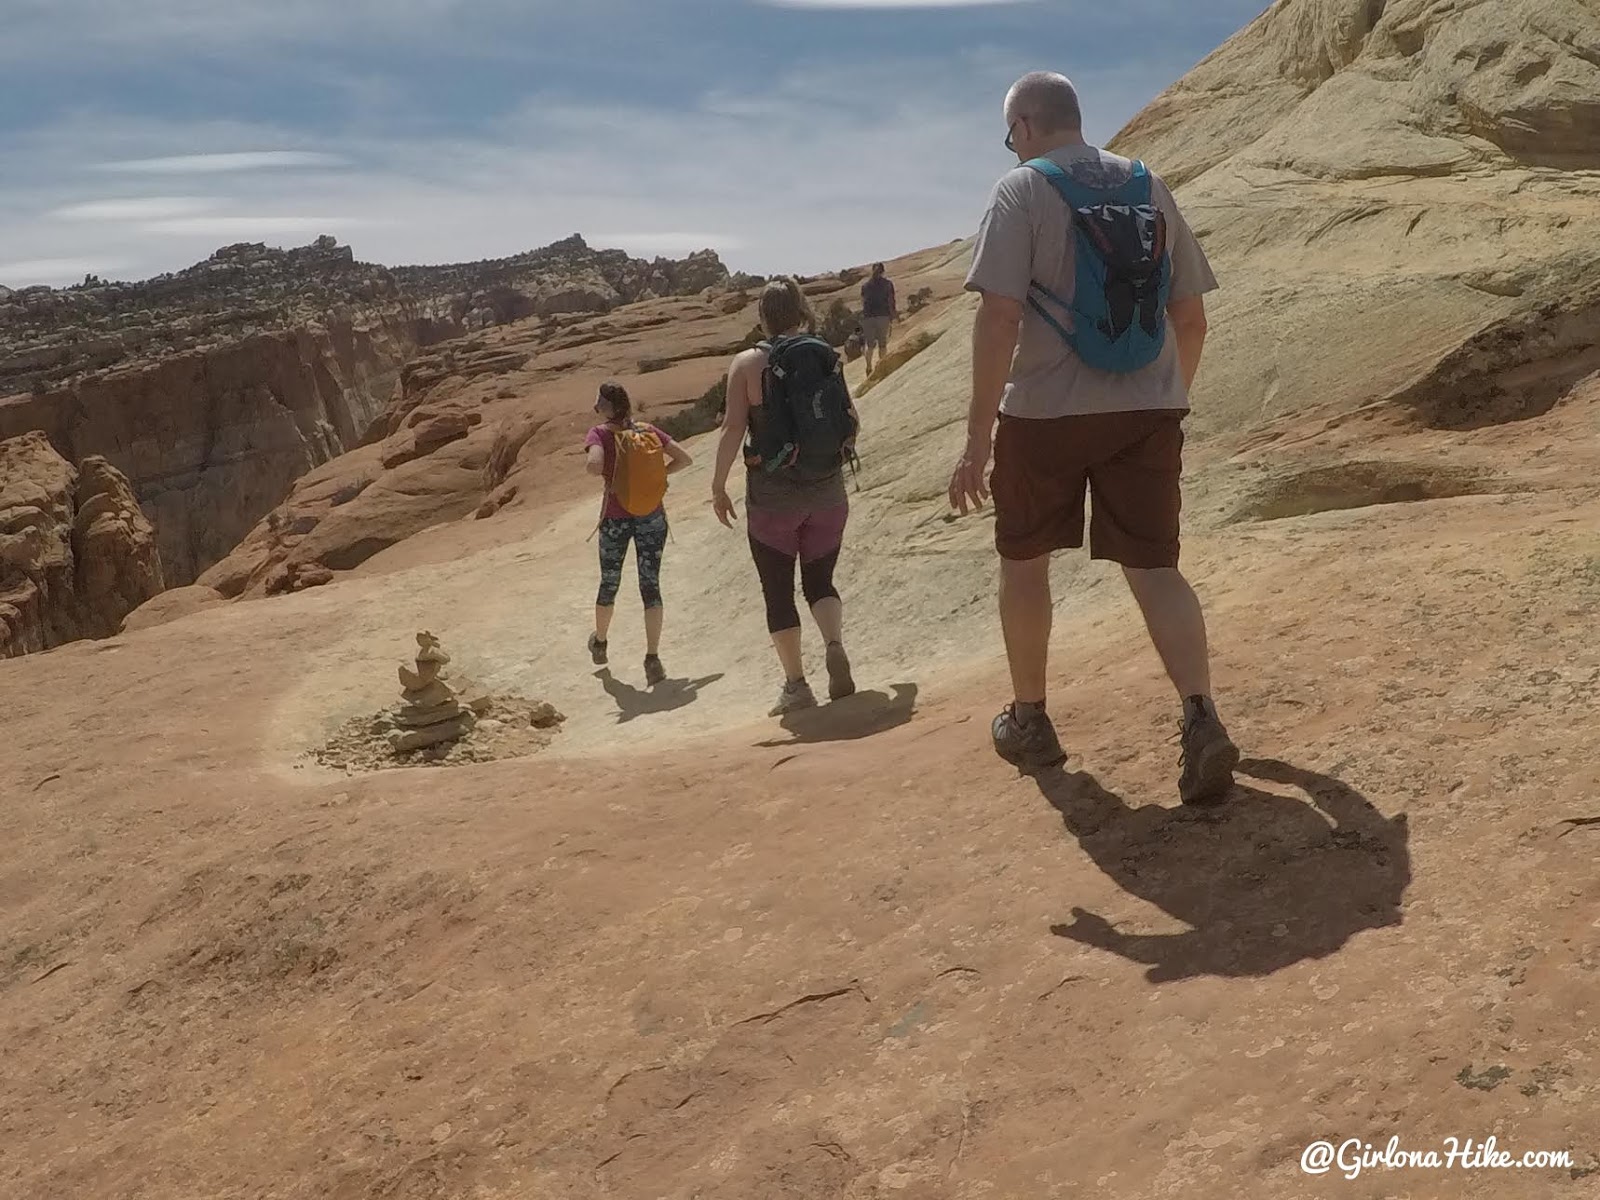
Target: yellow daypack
column 639, row 480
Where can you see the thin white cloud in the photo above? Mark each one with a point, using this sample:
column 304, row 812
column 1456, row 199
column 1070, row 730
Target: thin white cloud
column 141, row 208
column 214, row 164
column 875, row 164
column 250, row 226
column 31, row 271
column 232, row 24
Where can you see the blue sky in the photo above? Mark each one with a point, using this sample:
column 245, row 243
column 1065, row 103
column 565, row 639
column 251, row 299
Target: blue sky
column 140, row 135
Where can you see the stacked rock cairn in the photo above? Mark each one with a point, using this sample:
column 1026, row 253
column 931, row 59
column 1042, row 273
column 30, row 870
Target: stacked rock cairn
column 432, row 714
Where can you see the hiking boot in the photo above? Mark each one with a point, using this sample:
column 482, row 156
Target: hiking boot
column 1026, row 739
column 794, row 697
column 597, row 650
column 654, row 672
column 840, row 682
column 1209, row 755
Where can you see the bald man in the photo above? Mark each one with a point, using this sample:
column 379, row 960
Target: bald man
column 1066, row 428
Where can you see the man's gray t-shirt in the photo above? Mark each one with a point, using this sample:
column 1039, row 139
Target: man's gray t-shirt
column 1027, row 236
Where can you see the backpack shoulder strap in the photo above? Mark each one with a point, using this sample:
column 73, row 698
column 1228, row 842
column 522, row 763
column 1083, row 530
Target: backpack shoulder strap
column 1138, row 189
column 1075, row 195
column 812, row 340
column 1046, row 315
column 1142, row 185
column 782, row 347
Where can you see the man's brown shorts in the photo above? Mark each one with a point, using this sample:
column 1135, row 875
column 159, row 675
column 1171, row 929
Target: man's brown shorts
column 1130, row 461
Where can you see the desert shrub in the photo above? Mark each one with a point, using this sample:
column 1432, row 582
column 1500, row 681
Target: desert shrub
column 702, row 416
column 895, row 359
column 919, row 300
column 839, row 321
column 852, row 275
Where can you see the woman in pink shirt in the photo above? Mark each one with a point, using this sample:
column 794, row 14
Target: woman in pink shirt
column 618, row 527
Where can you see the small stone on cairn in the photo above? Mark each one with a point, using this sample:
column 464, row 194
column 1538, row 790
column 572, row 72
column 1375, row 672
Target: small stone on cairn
column 432, row 714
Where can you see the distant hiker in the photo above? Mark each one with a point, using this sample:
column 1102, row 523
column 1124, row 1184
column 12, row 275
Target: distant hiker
column 635, row 459
column 789, row 395
column 1086, row 257
column 879, row 311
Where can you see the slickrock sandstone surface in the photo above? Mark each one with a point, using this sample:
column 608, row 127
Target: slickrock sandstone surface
column 1404, row 200
column 684, row 952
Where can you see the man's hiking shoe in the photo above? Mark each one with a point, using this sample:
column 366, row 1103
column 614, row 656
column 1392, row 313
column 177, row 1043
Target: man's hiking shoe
column 654, row 672
column 1028, row 742
column 1209, row 756
column 597, row 650
column 840, row 682
column 794, row 697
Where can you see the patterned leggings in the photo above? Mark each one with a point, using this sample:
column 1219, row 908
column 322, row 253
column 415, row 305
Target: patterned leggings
column 649, row 536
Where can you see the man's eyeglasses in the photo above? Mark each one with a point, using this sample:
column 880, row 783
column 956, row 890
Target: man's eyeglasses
column 1011, row 131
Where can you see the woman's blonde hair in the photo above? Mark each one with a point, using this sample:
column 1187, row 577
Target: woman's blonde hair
column 784, row 307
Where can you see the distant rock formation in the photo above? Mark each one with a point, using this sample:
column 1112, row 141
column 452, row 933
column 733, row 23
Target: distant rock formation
column 212, row 438
column 215, row 388
column 561, row 279
column 468, row 429
column 76, row 553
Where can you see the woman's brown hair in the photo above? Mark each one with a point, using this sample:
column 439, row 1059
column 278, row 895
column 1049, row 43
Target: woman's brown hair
column 616, row 396
column 783, row 307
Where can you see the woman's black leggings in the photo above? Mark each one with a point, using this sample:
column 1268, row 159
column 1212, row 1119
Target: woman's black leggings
column 649, row 537
column 777, row 583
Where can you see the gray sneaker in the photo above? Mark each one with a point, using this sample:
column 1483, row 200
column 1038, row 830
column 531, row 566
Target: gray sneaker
column 1030, row 744
column 794, row 697
column 1209, row 756
column 597, row 650
column 654, row 672
column 840, row 681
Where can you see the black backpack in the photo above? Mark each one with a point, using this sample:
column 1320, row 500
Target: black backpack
column 806, row 429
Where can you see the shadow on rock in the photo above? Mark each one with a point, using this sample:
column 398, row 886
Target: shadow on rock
column 864, row 715
column 1263, row 881
column 667, row 696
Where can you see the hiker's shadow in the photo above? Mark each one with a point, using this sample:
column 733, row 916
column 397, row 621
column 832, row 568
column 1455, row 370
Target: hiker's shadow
column 863, row 715
column 1263, row 881
column 667, row 696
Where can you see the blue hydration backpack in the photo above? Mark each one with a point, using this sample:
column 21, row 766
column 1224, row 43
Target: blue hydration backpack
column 1118, row 312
